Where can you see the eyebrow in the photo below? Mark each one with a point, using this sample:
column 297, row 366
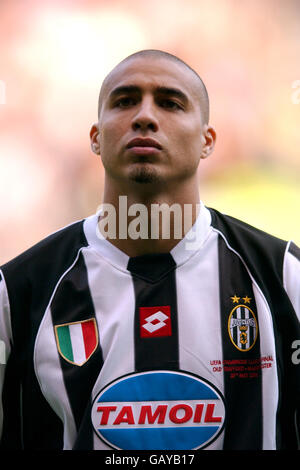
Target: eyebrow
column 160, row 90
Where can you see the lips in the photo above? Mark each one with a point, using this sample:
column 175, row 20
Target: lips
column 140, row 142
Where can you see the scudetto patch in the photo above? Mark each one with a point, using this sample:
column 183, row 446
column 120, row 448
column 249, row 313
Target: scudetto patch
column 77, row 341
column 158, row 410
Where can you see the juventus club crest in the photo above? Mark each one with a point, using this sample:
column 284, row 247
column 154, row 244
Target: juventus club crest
column 242, row 324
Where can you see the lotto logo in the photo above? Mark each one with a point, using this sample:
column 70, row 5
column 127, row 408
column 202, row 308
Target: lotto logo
column 155, row 321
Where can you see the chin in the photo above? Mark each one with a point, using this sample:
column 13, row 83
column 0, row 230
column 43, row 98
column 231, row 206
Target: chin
column 144, row 175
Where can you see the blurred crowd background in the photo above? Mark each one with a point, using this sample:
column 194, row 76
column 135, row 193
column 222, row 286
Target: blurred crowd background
column 54, row 55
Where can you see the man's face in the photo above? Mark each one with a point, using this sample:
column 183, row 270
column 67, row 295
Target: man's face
column 151, row 98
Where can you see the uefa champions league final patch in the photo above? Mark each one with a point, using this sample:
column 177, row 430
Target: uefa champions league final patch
column 161, row 410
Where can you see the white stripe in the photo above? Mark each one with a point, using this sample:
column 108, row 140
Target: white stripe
column 238, row 316
column 76, row 335
column 267, row 346
column 269, row 375
column 291, row 280
column 246, row 311
column 5, row 338
column 247, row 316
column 49, row 373
column 199, row 322
column 114, row 305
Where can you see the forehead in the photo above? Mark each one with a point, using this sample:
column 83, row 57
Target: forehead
column 151, row 72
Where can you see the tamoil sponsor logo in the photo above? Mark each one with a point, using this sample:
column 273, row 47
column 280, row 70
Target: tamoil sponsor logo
column 162, row 410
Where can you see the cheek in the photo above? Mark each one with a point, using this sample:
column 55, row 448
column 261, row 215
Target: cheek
column 111, row 127
column 188, row 142
column 111, row 144
column 110, row 136
column 107, row 134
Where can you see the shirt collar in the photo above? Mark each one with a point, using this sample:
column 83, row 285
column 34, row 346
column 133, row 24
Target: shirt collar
column 185, row 248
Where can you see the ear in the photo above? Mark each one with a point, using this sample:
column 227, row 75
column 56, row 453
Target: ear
column 95, row 139
column 209, row 139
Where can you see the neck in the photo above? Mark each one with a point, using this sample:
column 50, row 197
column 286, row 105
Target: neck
column 147, row 222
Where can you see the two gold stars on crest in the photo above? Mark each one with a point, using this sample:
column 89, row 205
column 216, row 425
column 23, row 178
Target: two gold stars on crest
column 236, row 299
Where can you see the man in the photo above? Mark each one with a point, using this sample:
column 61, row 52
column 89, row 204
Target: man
column 121, row 334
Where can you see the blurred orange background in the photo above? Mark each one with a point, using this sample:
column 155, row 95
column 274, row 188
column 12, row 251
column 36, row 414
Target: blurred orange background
column 53, row 58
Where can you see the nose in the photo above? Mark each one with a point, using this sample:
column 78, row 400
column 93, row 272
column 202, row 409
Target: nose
column 145, row 118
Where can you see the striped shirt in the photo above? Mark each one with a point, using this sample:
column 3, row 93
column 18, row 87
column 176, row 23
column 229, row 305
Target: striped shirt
column 196, row 348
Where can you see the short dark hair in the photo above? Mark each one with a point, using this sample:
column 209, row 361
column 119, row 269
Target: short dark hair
column 167, row 55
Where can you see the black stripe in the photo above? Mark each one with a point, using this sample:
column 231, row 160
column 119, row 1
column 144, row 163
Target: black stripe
column 264, row 256
column 242, row 387
column 30, row 279
column 72, row 303
column 155, row 286
column 294, row 250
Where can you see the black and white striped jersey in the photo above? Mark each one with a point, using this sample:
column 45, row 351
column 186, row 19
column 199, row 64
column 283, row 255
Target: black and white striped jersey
column 192, row 349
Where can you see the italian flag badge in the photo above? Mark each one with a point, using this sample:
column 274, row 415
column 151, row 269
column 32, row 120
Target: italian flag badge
column 77, row 341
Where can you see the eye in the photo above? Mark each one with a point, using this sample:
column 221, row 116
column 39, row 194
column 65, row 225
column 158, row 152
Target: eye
column 170, row 104
column 124, row 102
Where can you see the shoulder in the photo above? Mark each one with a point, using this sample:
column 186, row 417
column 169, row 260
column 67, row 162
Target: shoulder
column 49, row 255
column 291, row 275
column 252, row 243
column 294, row 252
column 238, row 230
column 271, row 260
